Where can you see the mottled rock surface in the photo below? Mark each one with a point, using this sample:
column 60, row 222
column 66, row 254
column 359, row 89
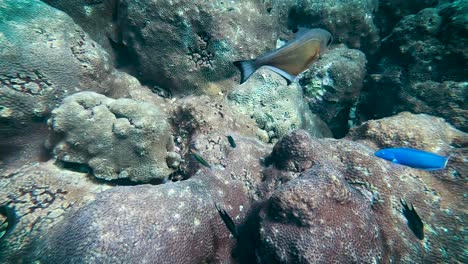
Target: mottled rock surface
column 151, row 224
column 349, row 21
column 332, row 86
column 45, row 56
column 423, row 67
column 41, row 193
column 342, row 170
column 277, row 108
column 117, row 139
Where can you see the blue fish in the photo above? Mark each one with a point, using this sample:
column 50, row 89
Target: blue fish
column 413, row 158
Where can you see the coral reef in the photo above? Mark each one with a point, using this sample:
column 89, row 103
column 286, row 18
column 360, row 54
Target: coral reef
column 90, row 126
column 276, row 107
column 345, row 174
column 350, row 22
column 182, row 48
column 41, row 193
column 45, row 56
column 174, row 221
column 420, row 131
column 423, row 51
column 390, row 12
column 102, row 169
column 203, row 124
column 332, row 87
column 317, row 218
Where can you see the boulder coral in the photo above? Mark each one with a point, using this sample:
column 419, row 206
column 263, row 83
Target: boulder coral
column 318, row 218
column 174, row 222
column 277, row 108
column 42, row 194
column 423, row 66
column 117, row 139
column 350, row 22
column 332, row 87
column 44, row 57
column 343, row 169
column 184, row 47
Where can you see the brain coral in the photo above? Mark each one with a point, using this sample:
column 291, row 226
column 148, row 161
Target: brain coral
column 118, row 139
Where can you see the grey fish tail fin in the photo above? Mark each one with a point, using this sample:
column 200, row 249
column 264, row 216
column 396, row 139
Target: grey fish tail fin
column 246, row 68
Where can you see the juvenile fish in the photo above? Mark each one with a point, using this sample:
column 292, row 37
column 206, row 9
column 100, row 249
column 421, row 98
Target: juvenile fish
column 200, row 159
column 292, row 58
column 228, row 222
column 231, row 141
column 9, row 223
column 413, row 158
column 414, row 221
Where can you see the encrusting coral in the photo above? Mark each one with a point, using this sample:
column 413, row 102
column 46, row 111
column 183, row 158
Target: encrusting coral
column 89, row 126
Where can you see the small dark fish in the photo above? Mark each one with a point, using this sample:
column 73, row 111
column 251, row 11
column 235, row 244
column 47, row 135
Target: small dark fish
column 292, row 58
column 413, row 158
column 200, row 159
column 414, row 221
column 228, row 222
column 231, row 141
column 10, row 222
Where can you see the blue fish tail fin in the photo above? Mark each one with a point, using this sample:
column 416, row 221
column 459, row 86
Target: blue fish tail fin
column 246, row 68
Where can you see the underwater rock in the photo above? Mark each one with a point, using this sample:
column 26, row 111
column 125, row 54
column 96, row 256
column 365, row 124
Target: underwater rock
column 174, row 222
column 95, row 17
column 45, row 56
column 276, row 107
column 425, row 50
column 447, row 99
column 319, row 217
column 332, row 87
column 349, row 22
column 390, row 12
column 203, row 124
column 185, row 48
column 293, row 152
column 437, row 196
column 117, row 139
column 418, row 131
column 41, row 194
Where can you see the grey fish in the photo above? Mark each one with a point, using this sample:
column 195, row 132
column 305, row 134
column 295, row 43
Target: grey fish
column 292, row 58
column 228, row 222
column 9, row 224
column 414, row 221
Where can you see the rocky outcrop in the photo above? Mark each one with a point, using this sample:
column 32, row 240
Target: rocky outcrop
column 277, row 108
column 151, row 224
column 344, row 186
column 332, row 87
column 423, row 66
column 118, row 139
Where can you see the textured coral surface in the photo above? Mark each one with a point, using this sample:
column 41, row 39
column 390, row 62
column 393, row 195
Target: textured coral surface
column 125, row 136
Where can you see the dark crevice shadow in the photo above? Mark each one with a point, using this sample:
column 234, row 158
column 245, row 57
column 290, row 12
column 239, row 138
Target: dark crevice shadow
column 84, row 168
